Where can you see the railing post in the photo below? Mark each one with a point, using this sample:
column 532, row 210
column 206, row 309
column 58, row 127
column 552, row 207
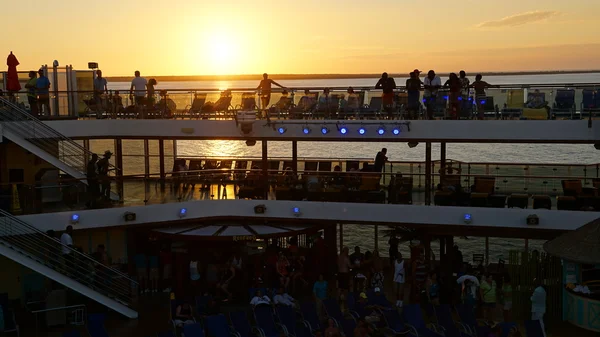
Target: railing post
column 428, row 173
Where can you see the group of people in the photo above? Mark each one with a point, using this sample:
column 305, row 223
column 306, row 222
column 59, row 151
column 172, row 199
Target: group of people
column 98, row 180
column 38, row 93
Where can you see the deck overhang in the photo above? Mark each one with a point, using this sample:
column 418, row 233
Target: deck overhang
column 450, row 131
column 438, row 220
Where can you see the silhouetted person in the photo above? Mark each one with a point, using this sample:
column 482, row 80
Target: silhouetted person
column 265, row 90
column 92, row 179
column 380, row 160
column 387, row 84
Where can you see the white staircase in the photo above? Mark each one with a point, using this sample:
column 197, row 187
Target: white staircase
column 25, row 130
column 35, row 250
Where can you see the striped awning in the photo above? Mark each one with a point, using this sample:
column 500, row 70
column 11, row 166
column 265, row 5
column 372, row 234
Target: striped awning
column 236, row 231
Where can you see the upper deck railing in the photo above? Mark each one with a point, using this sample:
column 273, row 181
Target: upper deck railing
column 562, row 101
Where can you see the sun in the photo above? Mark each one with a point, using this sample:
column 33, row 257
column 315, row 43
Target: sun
column 221, row 51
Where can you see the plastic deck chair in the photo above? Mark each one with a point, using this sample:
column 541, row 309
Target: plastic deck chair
column 193, row 330
column 240, row 323
column 443, row 314
column 333, row 310
column 590, row 103
column 564, row 104
column 468, row 319
column 73, row 333
column 352, row 307
column 535, row 107
column 348, row 326
column 287, row 318
column 248, row 102
column 196, row 108
column 217, row 326
column 515, row 102
column 374, row 107
column 533, row 329
column 440, row 104
column 394, row 323
column 309, row 314
column 414, row 320
column 263, row 316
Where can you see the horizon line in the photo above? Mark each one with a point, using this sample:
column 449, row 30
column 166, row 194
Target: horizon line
column 350, row 75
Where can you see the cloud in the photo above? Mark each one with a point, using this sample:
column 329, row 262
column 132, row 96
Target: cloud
column 519, row 19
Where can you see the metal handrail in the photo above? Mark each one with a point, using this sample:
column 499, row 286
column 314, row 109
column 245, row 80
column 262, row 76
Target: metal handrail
column 73, row 149
column 48, row 249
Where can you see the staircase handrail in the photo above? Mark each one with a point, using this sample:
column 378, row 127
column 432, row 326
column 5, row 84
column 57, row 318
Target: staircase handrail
column 61, row 245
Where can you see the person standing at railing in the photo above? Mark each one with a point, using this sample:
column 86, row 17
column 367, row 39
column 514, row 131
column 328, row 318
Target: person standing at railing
column 100, row 88
column 480, row 95
column 264, row 89
column 432, row 83
column 31, row 96
column 413, row 89
column 103, row 169
column 42, row 86
column 387, row 84
column 137, row 92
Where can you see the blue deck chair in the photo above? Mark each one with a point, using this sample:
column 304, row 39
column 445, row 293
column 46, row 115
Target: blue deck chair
column 309, row 314
column 506, row 327
column 263, row 316
column 95, row 325
column 443, row 313
column 217, row 326
column 533, row 329
column 352, row 307
column 348, row 326
column 174, row 305
column 193, row 330
column 287, row 318
column 414, row 320
column 440, row 104
column 564, row 103
column 72, row 333
column 478, row 328
column 240, row 323
column 333, row 310
column 590, row 103
column 394, row 323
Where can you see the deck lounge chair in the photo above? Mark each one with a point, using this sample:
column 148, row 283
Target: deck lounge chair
column 263, row 316
column 590, row 103
column 333, row 310
column 217, row 326
column 374, row 108
column 305, row 107
column 193, row 330
column 195, row 109
column 354, row 103
column 443, row 314
column 287, row 318
column 248, row 102
column 564, row 104
column 309, row 314
column 240, row 323
column 348, row 326
column 536, row 107
column 441, row 104
column 413, row 316
column 515, row 102
column 478, row 328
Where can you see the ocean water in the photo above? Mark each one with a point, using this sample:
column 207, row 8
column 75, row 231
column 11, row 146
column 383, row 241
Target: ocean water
column 360, row 235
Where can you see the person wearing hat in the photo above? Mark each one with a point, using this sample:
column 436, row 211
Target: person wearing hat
column 413, row 88
column 103, row 169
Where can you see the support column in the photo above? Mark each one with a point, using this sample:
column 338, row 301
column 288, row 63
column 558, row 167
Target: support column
column 442, row 161
column 341, row 235
column 174, row 149
column 450, row 259
column 146, row 158
column 428, row 173
column 119, row 165
column 330, row 234
column 161, row 154
column 294, row 157
column 86, row 146
column 443, row 251
column 376, row 238
column 487, row 250
column 265, row 170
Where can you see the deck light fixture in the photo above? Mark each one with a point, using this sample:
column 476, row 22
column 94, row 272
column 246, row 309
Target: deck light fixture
column 381, row 130
column 306, row 130
column 396, row 131
column 182, row 212
column 74, row 219
column 296, row 211
column 467, row 218
column 324, row 130
column 362, row 131
column 282, row 130
column 129, row 216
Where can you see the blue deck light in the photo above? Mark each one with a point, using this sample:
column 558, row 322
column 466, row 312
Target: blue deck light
column 362, row 131
column 182, row 212
column 467, row 218
column 396, row 131
column 74, row 218
column 324, row 130
column 281, row 130
column 343, row 130
column 306, row 130
column 381, row 130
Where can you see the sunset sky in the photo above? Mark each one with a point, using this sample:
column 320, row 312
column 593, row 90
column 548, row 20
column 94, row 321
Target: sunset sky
column 207, row 37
